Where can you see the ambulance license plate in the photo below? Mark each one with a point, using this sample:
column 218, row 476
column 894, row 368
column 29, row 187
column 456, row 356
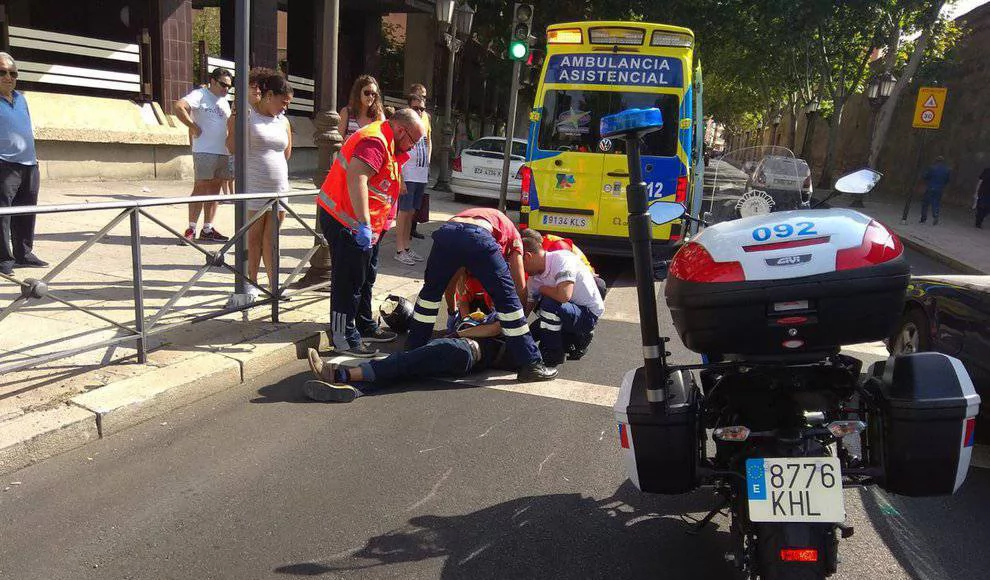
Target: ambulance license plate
column 795, row 489
column 577, row 222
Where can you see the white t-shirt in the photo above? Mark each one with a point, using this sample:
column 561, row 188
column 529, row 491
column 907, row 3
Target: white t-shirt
column 565, row 266
column 417, row 168
column 210, row 112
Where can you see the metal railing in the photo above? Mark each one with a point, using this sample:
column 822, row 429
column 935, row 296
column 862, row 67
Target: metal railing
column 34, row 290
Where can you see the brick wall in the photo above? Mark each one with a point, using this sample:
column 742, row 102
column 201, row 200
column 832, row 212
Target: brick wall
column 173, row 51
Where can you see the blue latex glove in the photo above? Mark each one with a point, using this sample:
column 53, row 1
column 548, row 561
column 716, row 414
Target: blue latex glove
column 363, row 236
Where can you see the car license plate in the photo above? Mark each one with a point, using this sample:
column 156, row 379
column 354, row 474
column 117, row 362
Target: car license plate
column 488, row 171
column 567, row 221
column 794, row 489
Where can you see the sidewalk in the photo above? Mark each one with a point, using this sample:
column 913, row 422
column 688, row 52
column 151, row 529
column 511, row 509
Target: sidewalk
column 61, row 404
column 954, row 241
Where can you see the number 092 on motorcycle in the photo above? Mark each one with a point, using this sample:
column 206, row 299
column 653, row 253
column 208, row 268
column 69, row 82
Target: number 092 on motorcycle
column 795, row 489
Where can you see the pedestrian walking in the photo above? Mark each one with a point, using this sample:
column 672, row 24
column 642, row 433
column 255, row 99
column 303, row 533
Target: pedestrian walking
column 267, row 160
column 486, row 243
column 363, row 107
column 206, row 111
column 423, row 213
column 20, row 179
column 935, row 177
column 355, row 206
column 981, row 198
column 415, row 175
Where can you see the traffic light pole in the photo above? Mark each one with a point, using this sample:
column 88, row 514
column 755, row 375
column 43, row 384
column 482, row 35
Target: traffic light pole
column 510, row 131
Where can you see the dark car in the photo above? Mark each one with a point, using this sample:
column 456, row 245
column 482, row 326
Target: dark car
column 951, row 315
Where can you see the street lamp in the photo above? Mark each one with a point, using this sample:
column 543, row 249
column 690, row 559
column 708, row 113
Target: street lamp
column 776, row 122
column 810, row 112
column 880, row 88
column 454, row 21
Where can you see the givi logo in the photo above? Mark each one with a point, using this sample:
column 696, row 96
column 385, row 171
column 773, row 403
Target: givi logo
column 789, row 260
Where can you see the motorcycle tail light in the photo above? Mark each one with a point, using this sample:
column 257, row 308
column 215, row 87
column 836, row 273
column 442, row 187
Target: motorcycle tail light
column 879, row 245
column 693, row 263
column 733, row 433
column 680, row 195
column 799, row 555
column 456, row 165
column 526, row 176
column 840, row 429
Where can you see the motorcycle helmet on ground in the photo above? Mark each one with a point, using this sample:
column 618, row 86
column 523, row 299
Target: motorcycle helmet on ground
column 397, row 312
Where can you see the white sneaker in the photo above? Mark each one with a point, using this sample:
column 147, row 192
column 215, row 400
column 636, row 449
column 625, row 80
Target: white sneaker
column 405, row 258
column 253, row 291
column 412, row 254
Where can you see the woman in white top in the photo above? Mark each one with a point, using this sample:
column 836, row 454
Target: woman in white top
column 269, row 149
column 363, row 107
column 415, row 175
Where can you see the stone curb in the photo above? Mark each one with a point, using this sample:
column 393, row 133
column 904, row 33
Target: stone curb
column 923, row 248
column 33, row 437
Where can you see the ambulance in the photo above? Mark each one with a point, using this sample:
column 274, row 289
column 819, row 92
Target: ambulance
column 574, row 180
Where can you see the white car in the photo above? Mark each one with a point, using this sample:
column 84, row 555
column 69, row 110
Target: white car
column 478, row 170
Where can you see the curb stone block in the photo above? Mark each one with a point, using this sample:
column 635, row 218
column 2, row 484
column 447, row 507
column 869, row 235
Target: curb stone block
column 33, row 437
column 275, row 350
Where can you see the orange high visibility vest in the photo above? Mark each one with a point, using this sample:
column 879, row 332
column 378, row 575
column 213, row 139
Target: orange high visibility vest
column 383, row 187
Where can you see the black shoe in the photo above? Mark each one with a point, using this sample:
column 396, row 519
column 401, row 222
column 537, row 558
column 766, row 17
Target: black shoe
column 417, row 235
column 378, row 335
column 581, row 345
column 8, row 267
column 330, row 392
column 360, row 351
column 536, row 372
column 32, row 261
column 935, row 222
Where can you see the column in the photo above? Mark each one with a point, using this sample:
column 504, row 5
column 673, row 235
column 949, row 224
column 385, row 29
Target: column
column 173, row 51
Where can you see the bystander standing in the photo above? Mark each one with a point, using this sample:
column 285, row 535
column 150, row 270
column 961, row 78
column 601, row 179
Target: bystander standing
column 981, row 198
column 19, row 175
column 415, row 175
column 363, row 107
column 936, row 178
column 423, row 212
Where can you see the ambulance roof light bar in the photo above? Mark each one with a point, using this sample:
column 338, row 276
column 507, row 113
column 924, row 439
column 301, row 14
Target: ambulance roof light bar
column 565, row 36
column 662, row 38
column 616, row 35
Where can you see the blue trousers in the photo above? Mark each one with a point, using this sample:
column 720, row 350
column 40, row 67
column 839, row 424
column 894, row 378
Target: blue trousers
column 557, row 321
column 933, row 198
column 459, row 245
column 439, row 357
column 352, row 274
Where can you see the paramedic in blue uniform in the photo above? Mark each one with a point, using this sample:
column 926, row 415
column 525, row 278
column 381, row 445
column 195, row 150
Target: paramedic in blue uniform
column 487, row 243
column 563, row 291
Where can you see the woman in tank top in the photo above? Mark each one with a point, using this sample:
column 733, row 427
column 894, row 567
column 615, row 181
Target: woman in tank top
column 269, row 149
column 363, row 107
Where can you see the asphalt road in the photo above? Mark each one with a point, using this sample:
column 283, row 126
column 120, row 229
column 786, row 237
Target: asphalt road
column 435, row 480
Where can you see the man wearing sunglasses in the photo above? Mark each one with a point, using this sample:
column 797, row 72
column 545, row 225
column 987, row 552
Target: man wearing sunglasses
column 19, row 175
column 355, row 207
column 205, row 111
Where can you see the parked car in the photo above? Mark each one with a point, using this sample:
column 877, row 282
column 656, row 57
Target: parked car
column 951, row 315
column 477, row 172
column 786, row 179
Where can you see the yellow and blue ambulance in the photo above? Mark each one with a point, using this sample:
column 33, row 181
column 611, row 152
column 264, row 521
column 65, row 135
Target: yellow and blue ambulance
column 574, row 180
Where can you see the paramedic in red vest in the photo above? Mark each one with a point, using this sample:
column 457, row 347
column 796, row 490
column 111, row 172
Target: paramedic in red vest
column 355, row 207
column 487, row 243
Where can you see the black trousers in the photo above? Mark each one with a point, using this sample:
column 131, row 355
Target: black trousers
column 18, row 186
column 981, row 213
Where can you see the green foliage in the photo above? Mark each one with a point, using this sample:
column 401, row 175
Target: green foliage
column 206, row 27
column 392, row 54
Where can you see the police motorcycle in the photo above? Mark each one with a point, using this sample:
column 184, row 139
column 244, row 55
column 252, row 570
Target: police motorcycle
column 775, row 419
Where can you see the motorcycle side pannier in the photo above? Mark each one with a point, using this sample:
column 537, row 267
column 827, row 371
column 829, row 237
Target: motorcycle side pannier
column 844, row 283
column 660, row 448
column 928, row 409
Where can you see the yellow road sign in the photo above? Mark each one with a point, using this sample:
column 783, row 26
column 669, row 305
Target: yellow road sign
column 929, row 107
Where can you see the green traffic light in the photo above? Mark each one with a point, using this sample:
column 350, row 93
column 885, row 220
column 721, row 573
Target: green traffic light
column 518, row 50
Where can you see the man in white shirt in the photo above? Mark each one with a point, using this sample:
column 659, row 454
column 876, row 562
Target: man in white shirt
column 205, row 111
column 567, row 301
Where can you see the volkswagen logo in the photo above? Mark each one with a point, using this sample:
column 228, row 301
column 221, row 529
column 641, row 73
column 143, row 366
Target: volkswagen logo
column 605, row 145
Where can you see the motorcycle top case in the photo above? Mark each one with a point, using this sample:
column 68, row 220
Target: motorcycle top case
column 792, row 282
column 928, row 408
column 659, row 443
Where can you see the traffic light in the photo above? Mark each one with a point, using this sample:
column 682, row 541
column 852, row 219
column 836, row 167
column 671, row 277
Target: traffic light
column 530, row 74
column 522, row 25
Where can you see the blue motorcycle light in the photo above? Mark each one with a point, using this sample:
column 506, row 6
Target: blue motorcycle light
column 631, row 121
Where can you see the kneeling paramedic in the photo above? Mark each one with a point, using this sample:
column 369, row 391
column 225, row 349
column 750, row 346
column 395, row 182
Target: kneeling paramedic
column 475, row 346
column 355, row 208
column 568, row 303
column 487, row 243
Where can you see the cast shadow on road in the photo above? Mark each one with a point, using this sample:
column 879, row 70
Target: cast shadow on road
column 628, row 535
column 289, row 390
column 936, row 538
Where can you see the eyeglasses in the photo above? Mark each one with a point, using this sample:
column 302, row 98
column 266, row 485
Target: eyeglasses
column 224, row 85
column 418, row 109
column 370, row 94
column 6, row 72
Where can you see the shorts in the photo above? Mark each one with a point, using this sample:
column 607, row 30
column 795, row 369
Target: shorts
column 413, row 198
column 208, row 166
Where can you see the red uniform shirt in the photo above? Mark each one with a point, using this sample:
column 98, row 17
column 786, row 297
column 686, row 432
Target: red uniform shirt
column 505, row 232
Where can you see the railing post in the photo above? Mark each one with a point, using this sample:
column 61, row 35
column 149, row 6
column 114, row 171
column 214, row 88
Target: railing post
column 276, row 287
column 144, row 65
column 138, row 279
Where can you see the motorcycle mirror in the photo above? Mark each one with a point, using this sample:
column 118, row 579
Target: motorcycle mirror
column 858, row 182
column 663, row 212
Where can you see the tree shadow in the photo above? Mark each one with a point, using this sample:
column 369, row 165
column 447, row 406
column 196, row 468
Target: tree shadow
column 568, row 535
